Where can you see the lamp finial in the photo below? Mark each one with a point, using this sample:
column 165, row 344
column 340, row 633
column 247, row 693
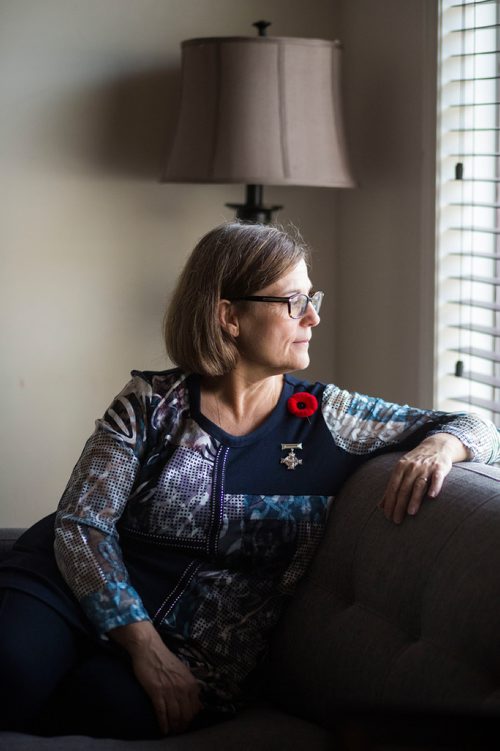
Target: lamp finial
column 262, row 27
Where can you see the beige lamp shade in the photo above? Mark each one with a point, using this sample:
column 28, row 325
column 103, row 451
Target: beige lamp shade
column 260, row 110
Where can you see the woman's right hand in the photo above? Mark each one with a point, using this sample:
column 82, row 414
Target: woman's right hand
column 169, row 683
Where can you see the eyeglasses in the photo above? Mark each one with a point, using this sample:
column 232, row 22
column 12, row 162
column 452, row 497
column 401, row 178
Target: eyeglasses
column 297, row 304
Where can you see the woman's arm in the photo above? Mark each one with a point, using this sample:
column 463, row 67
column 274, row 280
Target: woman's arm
column 86, row 545
column 90, row 559
column 363, row 425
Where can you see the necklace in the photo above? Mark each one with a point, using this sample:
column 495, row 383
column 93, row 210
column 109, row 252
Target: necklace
column 219, row 420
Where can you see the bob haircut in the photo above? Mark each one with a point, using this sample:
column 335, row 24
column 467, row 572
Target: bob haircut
column 232, row 260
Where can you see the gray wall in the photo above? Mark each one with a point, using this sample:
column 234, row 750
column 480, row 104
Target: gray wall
column 91, row 243
column 385, row 242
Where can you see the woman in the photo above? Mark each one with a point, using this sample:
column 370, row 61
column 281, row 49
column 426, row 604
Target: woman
column 198, row 503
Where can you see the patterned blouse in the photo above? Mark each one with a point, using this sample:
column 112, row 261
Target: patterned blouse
column 168, row 518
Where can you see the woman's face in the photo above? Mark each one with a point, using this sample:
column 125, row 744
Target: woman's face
column 268, row 340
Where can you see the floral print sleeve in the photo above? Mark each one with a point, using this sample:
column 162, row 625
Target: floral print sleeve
column 86, row 540
column 361, row 425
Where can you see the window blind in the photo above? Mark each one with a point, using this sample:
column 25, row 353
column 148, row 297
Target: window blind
column 468, row 210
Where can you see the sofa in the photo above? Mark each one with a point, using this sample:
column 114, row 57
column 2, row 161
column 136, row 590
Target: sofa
column 393, row 637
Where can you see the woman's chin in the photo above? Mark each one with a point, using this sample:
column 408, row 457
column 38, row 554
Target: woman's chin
column 301, row 363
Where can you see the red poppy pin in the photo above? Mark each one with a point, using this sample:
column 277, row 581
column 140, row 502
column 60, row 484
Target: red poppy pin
column 302, row 404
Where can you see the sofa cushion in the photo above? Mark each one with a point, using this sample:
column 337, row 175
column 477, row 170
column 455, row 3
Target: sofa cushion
column 258, row 727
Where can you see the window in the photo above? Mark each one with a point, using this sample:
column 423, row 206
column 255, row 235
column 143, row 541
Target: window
column 468, row 210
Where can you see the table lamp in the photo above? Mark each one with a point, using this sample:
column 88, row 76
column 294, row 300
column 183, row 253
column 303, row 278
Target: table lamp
column 260, row 111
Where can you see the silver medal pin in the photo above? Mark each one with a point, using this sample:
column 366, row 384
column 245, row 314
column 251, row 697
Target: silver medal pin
column 291, row 460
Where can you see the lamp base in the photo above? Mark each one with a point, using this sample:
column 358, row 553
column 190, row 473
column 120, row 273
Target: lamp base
column 253, row 211
column 254, row 214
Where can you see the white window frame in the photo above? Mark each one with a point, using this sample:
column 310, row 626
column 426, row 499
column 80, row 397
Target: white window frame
column 468, row 209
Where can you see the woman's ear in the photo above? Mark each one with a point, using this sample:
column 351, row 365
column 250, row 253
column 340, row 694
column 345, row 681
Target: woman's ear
column 228, row 318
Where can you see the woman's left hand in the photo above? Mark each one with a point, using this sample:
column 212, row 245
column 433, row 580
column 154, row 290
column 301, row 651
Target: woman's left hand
column 420, row 472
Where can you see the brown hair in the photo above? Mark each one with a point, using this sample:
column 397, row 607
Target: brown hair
column 232, row 260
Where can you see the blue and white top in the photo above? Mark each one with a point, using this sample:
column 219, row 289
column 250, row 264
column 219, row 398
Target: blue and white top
column 166, row 517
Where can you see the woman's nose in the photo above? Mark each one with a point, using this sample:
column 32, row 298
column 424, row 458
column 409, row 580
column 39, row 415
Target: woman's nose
column 310, row 317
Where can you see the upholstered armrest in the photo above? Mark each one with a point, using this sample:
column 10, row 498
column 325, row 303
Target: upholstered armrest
column 398, row 615
column 8, row 536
